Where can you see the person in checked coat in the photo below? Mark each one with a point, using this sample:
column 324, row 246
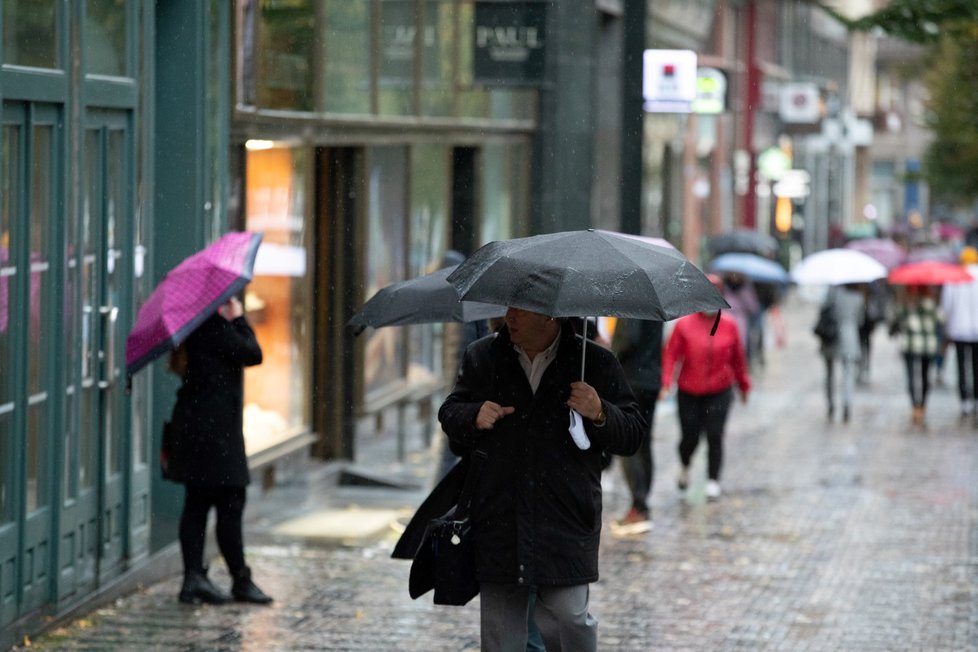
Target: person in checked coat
column 536, row 513
column 207, row 453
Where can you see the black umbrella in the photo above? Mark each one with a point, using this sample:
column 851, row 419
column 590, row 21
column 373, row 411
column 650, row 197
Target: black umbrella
column 585, row 273
column 426, row 299
column 743, row 241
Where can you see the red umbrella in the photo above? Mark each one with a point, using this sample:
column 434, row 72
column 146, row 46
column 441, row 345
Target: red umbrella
column 929, row 272
column 188, row 294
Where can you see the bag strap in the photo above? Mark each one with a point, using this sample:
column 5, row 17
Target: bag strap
column 476, row 461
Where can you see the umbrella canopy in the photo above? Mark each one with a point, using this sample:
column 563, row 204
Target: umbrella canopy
column 648, row 239
column 884, row 250
column 423, row 300
column 837, row 267
column 189, row 294
column 752, row 266
column 745, row 241
column 582, row 273
column 929, row 272
column 935, row 252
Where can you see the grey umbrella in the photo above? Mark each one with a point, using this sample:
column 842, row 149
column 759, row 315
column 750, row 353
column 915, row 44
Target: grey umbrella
column 423, row 300
column 743, row 241
column 585, row 273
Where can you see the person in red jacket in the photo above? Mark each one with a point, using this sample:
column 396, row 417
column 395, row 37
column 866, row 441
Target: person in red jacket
column 710, row 367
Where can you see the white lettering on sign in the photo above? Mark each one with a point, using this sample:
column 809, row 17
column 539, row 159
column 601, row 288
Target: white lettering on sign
column 508, row 43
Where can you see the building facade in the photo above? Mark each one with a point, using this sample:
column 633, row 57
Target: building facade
column 363, row 138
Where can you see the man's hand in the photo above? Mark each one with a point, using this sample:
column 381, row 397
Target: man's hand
column 585, row 400
column 490, row 413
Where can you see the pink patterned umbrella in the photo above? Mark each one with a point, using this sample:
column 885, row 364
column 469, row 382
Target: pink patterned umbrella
column 188, row 294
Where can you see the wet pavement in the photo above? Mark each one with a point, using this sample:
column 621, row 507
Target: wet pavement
column 828, row 536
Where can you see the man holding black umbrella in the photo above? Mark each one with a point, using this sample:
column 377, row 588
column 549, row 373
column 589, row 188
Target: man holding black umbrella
column 536, row 515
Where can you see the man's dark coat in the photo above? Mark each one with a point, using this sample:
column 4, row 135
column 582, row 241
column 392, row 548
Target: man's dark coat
column 208, row 446
column 537, row 507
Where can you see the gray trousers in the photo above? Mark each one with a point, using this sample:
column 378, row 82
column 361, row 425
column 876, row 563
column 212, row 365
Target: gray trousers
column 561, row 613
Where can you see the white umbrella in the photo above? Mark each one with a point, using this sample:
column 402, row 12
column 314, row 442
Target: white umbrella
column 837, row 267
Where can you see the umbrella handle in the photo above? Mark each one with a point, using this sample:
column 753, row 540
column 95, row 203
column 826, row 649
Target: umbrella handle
column 583, row 347
column 716, row 322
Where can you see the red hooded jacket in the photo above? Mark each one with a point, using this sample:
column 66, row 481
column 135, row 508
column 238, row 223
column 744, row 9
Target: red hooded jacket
column 708, row 364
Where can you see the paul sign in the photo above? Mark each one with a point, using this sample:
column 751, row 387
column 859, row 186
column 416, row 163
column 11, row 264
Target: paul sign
column 509, row 41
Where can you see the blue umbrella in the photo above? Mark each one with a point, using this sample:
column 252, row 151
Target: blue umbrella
column 756, row 268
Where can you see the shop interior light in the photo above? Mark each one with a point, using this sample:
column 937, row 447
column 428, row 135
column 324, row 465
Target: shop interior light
column 254, row 144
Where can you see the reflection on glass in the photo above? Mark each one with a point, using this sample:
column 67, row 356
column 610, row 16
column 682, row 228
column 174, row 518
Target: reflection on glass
column 396, row 53
column 30, row 33
column 504, row 191
column 115, row 193
column 438, row 58
column 286, row 31
column 276, row 301
column 347, row 54
column 9, row 197
column 6, row 469
column 106, row 23
column 385, row 263
column 36, row 486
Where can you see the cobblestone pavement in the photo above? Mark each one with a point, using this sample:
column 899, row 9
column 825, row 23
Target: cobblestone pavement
column 828, row 536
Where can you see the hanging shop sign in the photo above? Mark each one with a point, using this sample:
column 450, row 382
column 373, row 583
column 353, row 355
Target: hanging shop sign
column 509, row 41
column 711, row 91
column 669, row 80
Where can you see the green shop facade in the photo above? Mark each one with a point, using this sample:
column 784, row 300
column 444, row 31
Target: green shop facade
column 355, row 134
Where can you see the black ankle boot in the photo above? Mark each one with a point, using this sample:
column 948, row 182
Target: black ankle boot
column 244, row 590
column 197, row 589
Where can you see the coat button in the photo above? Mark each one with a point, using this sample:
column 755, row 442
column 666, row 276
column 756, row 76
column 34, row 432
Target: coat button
column 519, row 581
column 522, row 567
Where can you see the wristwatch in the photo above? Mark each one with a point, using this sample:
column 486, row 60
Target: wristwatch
column 601, row 418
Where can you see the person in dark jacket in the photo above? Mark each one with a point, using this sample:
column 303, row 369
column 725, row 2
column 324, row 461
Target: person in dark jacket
column 207, row 452
column 536, row 512
column 638, row 345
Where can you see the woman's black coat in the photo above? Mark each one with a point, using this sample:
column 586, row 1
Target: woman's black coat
column 208, row 445
column 537, row 510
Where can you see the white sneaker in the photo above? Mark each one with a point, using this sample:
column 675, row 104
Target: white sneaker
column 712, row 489
column 682, row 481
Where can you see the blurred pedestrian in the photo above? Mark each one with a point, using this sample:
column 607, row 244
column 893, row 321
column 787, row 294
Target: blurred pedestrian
column 917, row 325
column 709, row 368
column 847, row 304
column 959, row 302
column 745, row 308
column 207, row 452
column 638, row 345
column 536, row 513
column 874, row 314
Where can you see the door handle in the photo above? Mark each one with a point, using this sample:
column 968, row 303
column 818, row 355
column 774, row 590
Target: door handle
column 109, row 315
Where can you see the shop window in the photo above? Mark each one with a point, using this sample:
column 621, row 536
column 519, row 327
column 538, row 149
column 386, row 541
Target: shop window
column 398, row 35
column 347, row 56
column 428, row 236
column 278, row 299
column 384, row 356
column 286, row 30
column 30, row 33
column 504, row 191
column 438, row 58
column 106, row 34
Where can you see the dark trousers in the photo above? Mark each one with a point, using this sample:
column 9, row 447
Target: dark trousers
column 967, row 357
column 639, row 469
column 918, row 377
column 699, row 414
column 229, row 503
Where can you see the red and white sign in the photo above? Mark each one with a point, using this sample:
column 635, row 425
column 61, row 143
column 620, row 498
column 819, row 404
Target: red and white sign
column 669, row 80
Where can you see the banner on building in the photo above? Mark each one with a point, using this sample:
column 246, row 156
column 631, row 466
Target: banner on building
column 509, row 41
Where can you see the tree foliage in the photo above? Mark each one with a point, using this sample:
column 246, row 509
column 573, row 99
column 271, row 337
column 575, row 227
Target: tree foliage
column 951, row 163
column 919, row 21
column 949, row 31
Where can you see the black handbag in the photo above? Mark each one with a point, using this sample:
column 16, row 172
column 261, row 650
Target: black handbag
column 445, row 560
column 166, row 451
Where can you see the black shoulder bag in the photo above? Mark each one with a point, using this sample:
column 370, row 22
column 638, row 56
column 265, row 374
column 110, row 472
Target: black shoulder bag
column 445, row 560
